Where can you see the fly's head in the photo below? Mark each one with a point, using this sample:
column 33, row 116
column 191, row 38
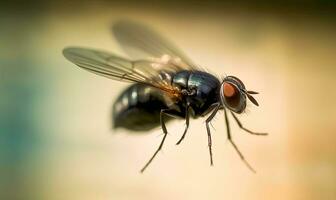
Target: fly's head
column 233, row 94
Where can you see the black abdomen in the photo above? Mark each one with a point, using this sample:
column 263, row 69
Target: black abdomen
column 138, row 108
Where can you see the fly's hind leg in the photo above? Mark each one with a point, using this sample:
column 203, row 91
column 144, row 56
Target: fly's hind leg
column 233, row 144
column 165, row 132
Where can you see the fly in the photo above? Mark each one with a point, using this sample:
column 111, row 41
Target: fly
column 166, row 84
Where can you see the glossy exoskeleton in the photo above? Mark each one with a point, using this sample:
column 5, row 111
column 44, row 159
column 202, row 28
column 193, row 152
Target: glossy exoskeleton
column 166, row 84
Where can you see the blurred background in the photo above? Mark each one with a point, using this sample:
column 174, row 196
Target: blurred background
column 56, row 140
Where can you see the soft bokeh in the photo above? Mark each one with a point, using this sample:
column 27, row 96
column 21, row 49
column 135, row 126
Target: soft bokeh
column 56, row 140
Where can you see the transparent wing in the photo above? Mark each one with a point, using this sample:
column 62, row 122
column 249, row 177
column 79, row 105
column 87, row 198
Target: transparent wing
column 140, row 41
column 121, row 69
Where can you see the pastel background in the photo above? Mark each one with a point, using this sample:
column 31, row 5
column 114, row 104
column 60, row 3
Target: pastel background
column 56, row 140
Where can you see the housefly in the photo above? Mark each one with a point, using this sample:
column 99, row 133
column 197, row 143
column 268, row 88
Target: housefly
column 166, row 84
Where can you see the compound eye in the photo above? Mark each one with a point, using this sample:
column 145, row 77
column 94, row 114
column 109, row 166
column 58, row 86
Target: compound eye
column 232, row 97
column 229, row 90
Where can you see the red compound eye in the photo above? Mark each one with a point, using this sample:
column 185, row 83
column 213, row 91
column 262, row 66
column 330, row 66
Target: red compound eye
column 229, row 90
column 232, row 94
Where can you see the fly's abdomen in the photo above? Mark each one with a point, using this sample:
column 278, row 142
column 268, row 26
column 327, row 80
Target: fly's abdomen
column 138, row 108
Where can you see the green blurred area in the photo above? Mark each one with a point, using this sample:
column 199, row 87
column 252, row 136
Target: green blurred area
column 55, row 137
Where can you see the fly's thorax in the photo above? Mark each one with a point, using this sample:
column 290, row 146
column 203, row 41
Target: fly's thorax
column 201, row 89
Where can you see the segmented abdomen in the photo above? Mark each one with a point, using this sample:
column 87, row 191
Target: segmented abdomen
column 138, row 108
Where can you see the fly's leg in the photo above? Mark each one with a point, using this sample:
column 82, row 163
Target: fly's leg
column 187, row 124
column 245, row 129
column 233, row 144
column 207, row 122
column 164, row 129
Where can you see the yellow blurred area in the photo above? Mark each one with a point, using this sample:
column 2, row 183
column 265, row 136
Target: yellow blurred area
column 58, row 115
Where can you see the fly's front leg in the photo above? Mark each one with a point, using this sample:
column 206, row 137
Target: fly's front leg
column 165, row 132
column 187, row 124
column 245, row 129
column 207, row 122
column 233, row 144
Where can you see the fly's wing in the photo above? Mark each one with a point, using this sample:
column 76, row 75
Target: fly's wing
column 121, row 69
column 140, row 41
